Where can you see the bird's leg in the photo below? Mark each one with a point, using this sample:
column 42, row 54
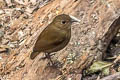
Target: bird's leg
column 48, row 56
column 53, row 63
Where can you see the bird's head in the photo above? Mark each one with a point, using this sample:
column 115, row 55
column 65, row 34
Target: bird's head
column 64, row 21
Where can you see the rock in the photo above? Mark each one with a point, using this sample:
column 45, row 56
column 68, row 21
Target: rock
column 1, row 11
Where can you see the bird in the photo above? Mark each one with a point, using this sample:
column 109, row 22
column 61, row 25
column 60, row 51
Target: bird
column 55, row 36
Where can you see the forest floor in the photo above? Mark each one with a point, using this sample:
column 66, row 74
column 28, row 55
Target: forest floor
column 13, row 33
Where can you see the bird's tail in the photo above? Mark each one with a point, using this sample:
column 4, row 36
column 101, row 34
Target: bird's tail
column 33, row 55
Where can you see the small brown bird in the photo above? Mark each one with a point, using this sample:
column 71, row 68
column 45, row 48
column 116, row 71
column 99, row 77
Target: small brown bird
column 55, row 36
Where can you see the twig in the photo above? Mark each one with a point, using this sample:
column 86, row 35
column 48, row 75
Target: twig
column 115, row 76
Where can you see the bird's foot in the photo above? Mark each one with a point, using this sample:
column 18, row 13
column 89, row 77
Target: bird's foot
column 57, row 64
column 48, row 56
column 52, row 63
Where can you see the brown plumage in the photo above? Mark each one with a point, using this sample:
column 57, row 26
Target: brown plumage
column 55, row 36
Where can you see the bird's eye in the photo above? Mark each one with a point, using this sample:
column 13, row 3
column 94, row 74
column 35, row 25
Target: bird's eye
column 63, row 22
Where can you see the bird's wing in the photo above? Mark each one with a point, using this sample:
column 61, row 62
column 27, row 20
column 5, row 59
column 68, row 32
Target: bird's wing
column 49, row 39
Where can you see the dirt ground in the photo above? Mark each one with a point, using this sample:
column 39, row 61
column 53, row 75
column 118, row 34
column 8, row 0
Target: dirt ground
column 22, row 21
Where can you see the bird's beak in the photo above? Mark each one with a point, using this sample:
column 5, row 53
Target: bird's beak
column 74, row 19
